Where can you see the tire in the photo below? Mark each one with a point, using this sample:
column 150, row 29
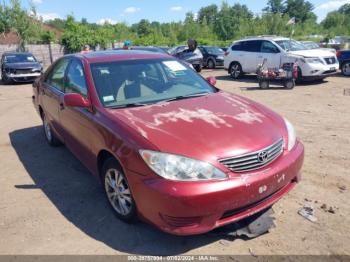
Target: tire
column 345, row 68
column 51, row 138
column 211, row 64
column 198, row 68
column 264, row 84
column 289, row 84
column 118, row 192
column 235, row 70
column 5, row 80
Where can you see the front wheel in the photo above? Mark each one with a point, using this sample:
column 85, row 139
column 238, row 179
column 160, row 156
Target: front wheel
column 5, row 80
column 264, row 84
column 290, row 84
column 118, row 191
column 345, row 69
column 235, row 70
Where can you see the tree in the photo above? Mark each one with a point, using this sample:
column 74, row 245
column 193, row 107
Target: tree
column 143, row 28
column 275, row 7
column 209, row 13
column 300, row 9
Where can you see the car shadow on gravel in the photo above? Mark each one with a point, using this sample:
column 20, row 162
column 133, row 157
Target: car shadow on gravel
column 79, row 197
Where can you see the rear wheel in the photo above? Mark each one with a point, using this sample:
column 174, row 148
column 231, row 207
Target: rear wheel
column 235, row 70
column 118, row 191
column 49, row 135
column 345, row 68
column 211, row 64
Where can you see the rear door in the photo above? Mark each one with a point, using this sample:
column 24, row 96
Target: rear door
column 271, row 53
column 52, row 93
column 77, row 123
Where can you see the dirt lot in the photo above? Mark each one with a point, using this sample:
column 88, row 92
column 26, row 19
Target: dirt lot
column 49, row 204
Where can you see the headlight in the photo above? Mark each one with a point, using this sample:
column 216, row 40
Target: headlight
column 292, row 137
column 180, row 168
column 314, row 60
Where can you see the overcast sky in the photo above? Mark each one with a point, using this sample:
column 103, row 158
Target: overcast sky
column 131, row 11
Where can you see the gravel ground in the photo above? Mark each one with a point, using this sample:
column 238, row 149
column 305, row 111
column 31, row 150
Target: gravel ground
column 49, row 204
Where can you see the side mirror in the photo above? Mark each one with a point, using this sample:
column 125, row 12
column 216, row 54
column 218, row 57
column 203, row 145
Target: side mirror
column 76, row 100
column 211, row 80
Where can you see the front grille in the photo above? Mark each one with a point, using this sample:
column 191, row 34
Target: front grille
column 330, row 60
column 26, row 71
column 254, row 160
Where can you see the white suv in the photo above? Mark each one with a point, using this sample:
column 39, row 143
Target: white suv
column 245, row 55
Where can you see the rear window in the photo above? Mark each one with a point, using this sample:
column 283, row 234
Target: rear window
column 247, row 46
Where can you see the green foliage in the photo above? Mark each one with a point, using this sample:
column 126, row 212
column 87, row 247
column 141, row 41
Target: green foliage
column 214, row 25
column 337, row 22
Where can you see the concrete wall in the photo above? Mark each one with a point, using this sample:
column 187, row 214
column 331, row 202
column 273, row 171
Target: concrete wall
column 45, row 53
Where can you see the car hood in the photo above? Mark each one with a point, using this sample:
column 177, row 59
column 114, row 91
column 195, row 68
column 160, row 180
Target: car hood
column 313, row 53
column 22, row 65
column 215, row 126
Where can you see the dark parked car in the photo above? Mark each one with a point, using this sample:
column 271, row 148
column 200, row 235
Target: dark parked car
column 166, row 144
column 213, row 56
column 19, row 67
column 344, row 61
column 195, row 58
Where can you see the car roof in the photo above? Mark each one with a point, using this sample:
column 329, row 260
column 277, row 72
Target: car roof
column 271, row 38
column 17, row 53
column 119, row 55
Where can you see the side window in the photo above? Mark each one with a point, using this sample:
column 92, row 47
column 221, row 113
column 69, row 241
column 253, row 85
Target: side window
column 268, row 47
column 252, row 46
column 237, row 46
column 76, row 82
column 56, row 76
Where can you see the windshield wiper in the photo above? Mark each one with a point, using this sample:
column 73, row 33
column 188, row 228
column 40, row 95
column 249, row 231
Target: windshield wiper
column 185, row 97
column 129, row 105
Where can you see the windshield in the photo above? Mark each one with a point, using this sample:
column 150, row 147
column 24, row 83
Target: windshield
column 19, row 58
column 291, row 45
column 311, row 45
column 122, row 83
column 213, row 50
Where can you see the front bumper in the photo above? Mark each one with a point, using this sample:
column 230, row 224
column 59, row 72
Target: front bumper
column 188, row 208
column 318, row 71
column 23, row 77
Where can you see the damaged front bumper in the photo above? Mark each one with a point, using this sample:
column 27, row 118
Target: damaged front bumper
column 182, row 208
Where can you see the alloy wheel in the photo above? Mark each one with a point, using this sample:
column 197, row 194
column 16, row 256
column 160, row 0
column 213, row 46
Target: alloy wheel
column 118, row 192
column 235, row 71
column 47, row 129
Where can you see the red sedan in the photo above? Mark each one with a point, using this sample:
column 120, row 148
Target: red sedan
column 168, row 146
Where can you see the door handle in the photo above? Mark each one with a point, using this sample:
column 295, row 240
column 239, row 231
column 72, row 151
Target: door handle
column 61, row 106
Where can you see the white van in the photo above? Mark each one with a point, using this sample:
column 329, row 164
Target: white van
column 245, row 55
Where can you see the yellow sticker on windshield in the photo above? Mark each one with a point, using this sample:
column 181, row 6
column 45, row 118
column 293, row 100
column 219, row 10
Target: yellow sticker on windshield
column 174, row 66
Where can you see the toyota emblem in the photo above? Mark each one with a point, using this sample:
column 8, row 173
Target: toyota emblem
column 263, row 156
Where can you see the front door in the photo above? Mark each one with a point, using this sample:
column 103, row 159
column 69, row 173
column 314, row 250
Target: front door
column 77, row 122
column 271, row 53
